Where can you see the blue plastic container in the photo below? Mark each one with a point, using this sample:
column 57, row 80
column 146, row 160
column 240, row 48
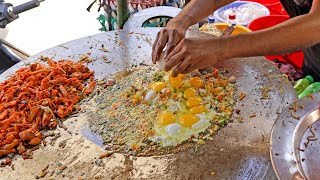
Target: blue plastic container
column 211, row 19
column 219, row 18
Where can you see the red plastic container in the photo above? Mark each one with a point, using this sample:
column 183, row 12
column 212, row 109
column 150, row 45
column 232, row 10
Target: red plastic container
column 296, row 58
column 267, row 21
column 274, row 6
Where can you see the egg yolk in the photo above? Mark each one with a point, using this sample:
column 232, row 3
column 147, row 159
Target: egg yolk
column 158, row 86
column 188, row 120
column 198, row 109
column 196, row 82
column 194, row 101
column 166, row 118
column 190, row 92
column 176, row 82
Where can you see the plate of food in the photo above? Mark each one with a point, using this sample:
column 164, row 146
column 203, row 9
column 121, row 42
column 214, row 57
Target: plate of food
column 294, row 140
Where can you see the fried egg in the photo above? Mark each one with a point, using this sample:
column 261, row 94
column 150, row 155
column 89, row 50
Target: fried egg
column 186, row 111
column 181, row 130
column 150, row 106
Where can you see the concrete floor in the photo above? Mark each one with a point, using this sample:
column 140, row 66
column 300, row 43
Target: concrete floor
column 51, row 24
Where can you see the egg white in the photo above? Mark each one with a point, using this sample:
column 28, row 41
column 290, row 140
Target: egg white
column 174, row 134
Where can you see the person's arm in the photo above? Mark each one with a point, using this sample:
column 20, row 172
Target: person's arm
column 197, row 10
column 294, row 34
column 174, row 32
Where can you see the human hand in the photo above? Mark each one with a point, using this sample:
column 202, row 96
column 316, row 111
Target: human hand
column 193, row 53
column 171, row 35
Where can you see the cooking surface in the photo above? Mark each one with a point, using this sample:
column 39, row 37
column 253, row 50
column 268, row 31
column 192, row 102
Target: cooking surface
column 238, row 151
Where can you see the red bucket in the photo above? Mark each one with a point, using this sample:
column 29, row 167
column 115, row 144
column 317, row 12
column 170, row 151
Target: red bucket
column 274, row 6
column 296, row 58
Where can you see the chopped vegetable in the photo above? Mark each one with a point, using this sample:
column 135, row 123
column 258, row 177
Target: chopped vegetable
column 135, row 112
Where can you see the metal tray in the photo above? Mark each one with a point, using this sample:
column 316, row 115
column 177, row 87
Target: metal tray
column 294, row 141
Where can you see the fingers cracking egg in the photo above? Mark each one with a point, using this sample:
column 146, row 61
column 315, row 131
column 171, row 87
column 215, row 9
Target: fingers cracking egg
column 194, row 101
column 188, row 120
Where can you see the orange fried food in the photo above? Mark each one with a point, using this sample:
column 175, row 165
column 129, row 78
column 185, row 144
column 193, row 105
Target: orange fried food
column 34, row 97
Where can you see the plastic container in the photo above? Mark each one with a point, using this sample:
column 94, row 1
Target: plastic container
column 211, row 19
column 236, row 4
column 301, row 84
column 311, row 89
column 232, row 19
column 296, row 58
column 267, row 21
column 275, row 7
column 232, row 25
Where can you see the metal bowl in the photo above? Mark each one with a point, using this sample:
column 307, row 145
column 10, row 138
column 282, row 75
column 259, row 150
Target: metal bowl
column 294, row 140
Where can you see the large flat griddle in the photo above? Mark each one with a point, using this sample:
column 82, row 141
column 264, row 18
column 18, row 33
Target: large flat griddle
column 238, row 151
